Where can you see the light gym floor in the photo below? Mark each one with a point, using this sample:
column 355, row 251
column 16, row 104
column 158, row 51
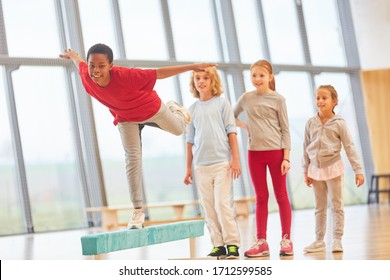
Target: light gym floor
column 366, row 237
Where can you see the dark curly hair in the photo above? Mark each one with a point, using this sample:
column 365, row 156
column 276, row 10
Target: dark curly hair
column 102, row 49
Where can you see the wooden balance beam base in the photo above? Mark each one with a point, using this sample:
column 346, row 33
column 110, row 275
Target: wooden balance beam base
column 110, row 219
column 102, row 243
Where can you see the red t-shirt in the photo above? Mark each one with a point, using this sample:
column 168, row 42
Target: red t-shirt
column 129, row 95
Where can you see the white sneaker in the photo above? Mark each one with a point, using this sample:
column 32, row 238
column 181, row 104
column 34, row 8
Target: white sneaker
column 337, row 246
column 137, row 220
column 316, row 246
column 176, row 107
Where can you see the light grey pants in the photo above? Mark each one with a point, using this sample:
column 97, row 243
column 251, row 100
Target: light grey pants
column 333, row 188
column 130, row 133
column 214, row 183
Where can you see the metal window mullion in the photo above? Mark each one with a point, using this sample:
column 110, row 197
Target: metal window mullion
column 17, row 143
column 263, row 31
column 307, row 55
column 303, row 32
column 3, row 37
column 218, row 27
column 352, row 56
column 21, row 176
column 73, row 112
column 118, row 29
column 84, row 108
column 170, row 43
column 235, row 72
column 172, row 57
column 230, row 31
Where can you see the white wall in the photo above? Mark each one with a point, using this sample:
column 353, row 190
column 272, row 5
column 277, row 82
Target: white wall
column 372, row 26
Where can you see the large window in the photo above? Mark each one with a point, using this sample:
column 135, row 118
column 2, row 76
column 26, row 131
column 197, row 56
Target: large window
column 248, row 30
column 48, row 147
column 281, row 22
column 66, row 165
column 31, row 28
column 324, row 33
column 98, row 24
column 143, row 35
column 193, row 27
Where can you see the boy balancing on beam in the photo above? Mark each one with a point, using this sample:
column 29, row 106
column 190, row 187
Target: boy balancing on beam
column 129, row 95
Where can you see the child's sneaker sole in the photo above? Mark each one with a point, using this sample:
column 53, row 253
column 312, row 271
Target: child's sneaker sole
column 135, row 227
column 314, row 250
column 262, row 254
column 337, row 250
column 232, row 257
column 223, row 257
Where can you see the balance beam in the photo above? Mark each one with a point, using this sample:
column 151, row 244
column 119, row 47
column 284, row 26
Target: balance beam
column 101, row 243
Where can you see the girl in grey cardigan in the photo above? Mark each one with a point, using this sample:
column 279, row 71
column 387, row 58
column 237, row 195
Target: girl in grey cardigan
column 325, row 134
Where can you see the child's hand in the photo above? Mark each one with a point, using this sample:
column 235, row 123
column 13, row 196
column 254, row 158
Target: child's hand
column 359, row 180
column 308, row 180
column 203, row 66
column 69, row 54
column 235, row 169
column 285, row 167
column 188, row 178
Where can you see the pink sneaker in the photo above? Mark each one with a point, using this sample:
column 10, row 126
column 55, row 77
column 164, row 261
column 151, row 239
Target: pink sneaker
column 259, row 249
column 286, row 247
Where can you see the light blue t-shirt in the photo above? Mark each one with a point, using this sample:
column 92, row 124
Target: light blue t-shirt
column 211, row 122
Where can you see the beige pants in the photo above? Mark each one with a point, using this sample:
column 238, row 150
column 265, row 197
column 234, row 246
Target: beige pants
column 215, row 188
column 333, row 189
column 130, row 133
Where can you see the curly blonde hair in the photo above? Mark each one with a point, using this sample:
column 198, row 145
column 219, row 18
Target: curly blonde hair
column 216, row 85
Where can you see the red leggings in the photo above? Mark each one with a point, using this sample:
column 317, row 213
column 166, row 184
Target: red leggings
column 258, row 162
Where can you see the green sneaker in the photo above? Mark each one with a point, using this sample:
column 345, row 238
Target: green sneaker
column 218, row 252
column 232, row 252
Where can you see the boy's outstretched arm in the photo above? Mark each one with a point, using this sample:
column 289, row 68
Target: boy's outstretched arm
column 169, row 71
column 74, row 56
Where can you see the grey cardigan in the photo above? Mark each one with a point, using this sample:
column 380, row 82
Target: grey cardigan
column 323, row 143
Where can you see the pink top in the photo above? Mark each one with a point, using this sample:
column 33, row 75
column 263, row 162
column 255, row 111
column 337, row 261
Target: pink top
column 326, row 173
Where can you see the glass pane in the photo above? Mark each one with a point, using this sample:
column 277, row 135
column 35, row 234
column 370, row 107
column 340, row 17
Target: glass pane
column 247, row 81
column 186, row 95
column 164, row 160
column 48, row 148
column 31, row 28
column 97, row 23
column 11, row 216
column 148, row 42
column 282, row 31
column 295, row 87
column 346, row 109
column 324, row 33
column 193, row 30
column 248, row 30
